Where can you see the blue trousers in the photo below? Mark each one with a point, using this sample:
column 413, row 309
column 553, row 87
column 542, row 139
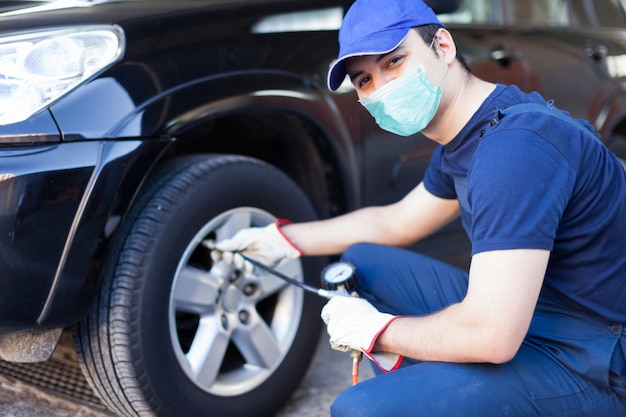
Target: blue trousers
column 569, row 365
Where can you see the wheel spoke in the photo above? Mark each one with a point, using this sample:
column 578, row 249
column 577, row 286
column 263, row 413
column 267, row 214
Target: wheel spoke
column 257, row 343
column 233, row 224
column 196, row 290
column 271, row 284
column 207, row 352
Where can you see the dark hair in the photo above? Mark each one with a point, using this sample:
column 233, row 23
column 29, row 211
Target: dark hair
column 428, row 32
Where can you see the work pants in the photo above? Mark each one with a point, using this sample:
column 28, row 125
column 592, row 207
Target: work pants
column 570, row 364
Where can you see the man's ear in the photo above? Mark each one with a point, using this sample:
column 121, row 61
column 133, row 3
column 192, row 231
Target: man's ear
column 445, row 46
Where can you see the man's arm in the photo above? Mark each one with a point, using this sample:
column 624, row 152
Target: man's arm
column 416, row 216
column 489, row 325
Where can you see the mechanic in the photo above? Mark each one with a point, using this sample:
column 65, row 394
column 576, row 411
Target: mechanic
column 535, row 328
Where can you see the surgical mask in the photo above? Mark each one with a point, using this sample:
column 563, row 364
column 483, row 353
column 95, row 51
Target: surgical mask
column 406, row 105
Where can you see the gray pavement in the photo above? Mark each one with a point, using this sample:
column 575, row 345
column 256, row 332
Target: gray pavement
column 328, row 375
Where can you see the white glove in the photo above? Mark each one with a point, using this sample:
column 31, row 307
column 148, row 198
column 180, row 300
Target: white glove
column 353, row 323
column 267, row 245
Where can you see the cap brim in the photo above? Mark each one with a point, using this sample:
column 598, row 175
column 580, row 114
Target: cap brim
column 375, row 44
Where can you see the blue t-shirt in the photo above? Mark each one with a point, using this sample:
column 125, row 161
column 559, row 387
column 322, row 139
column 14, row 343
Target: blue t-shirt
column 530, row 180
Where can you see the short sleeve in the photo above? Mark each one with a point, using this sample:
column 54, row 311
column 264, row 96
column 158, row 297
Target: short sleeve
column 518, row 188
column 435, row 180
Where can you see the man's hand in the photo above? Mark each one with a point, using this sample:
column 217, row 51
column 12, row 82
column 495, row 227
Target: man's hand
column 353, row 323
column 267, row 245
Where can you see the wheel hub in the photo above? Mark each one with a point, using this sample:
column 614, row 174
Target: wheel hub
column 231, row 298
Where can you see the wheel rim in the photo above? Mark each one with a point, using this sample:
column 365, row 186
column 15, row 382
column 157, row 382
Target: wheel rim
column 231, row 330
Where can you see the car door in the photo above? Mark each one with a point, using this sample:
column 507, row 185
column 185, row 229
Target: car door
column 490, row 47
column 566, row 57
column 607, row 19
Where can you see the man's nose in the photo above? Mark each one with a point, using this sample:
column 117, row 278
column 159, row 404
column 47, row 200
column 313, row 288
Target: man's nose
column 382, row 79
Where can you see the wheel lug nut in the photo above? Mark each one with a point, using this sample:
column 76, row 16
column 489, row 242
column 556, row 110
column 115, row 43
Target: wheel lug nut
column 244, row 316
column 250, row 289
column 224, row 320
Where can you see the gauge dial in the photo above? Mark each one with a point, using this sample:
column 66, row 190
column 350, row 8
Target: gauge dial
column 339, row 274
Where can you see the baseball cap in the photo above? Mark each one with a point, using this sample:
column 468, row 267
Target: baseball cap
column 375, row 27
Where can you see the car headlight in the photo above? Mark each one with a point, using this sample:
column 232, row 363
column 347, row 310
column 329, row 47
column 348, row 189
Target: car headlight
column 37, row 68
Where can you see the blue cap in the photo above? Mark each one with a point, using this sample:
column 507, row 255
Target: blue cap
column 375, row 27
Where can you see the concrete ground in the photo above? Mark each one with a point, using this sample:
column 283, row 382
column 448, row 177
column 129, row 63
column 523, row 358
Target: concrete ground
column 328, row 375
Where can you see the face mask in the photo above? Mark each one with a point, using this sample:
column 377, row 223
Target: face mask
column 405, row 105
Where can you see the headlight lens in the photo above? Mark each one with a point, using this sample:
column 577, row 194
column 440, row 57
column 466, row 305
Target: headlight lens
column 36, row 68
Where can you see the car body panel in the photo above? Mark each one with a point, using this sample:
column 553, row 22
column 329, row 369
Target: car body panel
column 117, row 174
column 41, row 128
column 55, row 208
column 40, row 201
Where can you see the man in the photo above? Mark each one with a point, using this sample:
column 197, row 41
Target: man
column 536, row 326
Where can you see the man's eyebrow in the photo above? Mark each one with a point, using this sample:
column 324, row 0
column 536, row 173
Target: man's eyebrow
column 355, row 75
column 378, row 59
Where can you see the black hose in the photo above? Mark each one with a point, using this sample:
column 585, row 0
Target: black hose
column 319, row 291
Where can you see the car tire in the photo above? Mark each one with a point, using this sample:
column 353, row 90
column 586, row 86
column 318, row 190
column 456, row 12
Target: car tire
column 173, row 333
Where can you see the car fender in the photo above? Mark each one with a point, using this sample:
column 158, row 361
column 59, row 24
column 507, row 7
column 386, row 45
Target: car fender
column 92, row 222
column 179, row 109
column 105, row 110
column 167, row 116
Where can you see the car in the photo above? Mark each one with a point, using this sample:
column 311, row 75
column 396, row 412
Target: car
column 569, row 51
column 134, row 134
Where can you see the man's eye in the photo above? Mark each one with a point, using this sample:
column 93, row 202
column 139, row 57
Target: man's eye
column 363, row 82
column 394, row 61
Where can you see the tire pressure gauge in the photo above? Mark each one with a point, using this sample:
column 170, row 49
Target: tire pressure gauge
column 339, row 275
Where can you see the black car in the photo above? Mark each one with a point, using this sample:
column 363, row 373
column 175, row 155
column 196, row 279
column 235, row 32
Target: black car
column 135, row 133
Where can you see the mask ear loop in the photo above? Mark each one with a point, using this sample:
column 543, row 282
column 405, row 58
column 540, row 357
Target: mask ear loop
column 433, row 41
column 444, row 76
column 448, row 68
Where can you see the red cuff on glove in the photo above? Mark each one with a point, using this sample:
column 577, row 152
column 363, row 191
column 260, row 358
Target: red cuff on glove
column 281, row 222
column 387, row 367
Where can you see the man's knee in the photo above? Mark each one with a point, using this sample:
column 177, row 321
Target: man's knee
column 358, row 251
column 354, row 402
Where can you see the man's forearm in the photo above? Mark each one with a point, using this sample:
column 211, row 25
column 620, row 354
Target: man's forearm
column 415, row 217
column 333, row 236
column 490, row 323
column 447, row 336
